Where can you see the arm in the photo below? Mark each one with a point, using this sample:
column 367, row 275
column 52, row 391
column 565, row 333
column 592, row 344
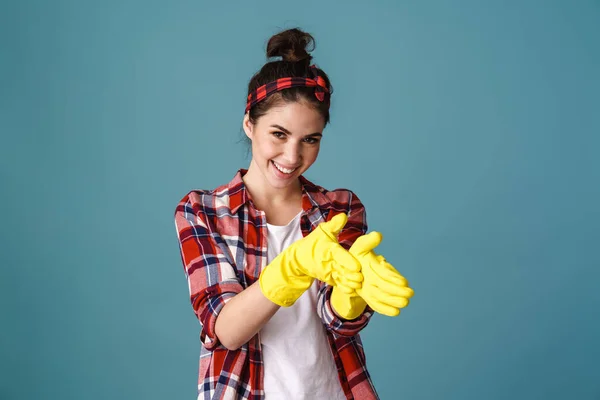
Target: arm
column 243, row 316
column 212, row 279
column 283, row 281
column 354, row 228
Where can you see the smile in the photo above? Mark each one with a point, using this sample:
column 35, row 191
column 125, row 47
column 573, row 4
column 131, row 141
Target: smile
column 284, row 170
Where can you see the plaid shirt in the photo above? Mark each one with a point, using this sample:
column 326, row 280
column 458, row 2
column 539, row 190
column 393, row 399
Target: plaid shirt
column 223, row 244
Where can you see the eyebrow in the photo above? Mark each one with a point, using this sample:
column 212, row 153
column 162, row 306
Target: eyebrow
column 281, row 128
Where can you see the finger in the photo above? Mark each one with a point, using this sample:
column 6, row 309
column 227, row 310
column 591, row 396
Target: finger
column 395, row 291
column 345, row 287
column 393, row 301
column 394, row 284
column 343, row 258
column 341, row 280
column 346, row 290
column 381, row 299
column 348, row 275
column 366, row 243
column 335, row 225
column 328, row 276
column 380, row 307
column 355, row 277
column 390, row 288
column 346, row 282
column 408, row 292
column 381, row 260
column 385, row 271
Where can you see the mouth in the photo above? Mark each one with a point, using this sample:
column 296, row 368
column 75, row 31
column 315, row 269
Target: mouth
column 283, row 170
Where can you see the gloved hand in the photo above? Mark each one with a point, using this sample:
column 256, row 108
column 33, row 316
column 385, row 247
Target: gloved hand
column 383, row 288
column 318, row 255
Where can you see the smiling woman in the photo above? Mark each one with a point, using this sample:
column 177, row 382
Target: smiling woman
column 281, row 273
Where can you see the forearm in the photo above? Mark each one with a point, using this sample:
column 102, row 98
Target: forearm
column 243, row 316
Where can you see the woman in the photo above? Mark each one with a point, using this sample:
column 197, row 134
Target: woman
column 281, row 274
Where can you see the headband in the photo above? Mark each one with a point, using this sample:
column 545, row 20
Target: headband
column 316, row 81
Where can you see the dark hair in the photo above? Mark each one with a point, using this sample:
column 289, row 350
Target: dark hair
column 293, row 46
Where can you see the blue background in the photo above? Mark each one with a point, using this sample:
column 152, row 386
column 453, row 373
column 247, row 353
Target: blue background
column 468, row 128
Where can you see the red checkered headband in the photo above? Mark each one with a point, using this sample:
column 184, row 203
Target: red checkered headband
column 316, row 81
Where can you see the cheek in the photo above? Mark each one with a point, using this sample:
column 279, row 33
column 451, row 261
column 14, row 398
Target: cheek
column 312, row 153
column 265, row 148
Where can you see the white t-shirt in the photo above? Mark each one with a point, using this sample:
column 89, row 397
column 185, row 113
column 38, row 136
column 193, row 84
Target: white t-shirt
column 298, row 364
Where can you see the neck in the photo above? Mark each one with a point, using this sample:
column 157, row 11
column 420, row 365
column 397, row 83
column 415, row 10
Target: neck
column 263, row 193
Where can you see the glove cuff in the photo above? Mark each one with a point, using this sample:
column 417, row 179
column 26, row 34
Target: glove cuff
column 281, row 284
column 348, row 307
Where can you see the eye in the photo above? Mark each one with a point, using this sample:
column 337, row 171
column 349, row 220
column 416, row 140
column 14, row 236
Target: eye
column 311, row 140
column 279, row 135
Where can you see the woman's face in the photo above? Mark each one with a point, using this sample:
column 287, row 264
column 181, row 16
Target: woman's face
column 285, row 142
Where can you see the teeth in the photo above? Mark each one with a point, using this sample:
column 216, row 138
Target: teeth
column 284, row 170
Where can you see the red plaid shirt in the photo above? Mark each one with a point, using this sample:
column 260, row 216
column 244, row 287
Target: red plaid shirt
column 223, row 244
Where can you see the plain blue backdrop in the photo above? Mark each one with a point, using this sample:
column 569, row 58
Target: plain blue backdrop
column 468, row 128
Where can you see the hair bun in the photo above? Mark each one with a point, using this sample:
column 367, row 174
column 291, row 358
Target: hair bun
column 291, row 45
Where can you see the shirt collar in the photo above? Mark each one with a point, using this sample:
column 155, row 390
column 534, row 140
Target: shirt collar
column 312, row 195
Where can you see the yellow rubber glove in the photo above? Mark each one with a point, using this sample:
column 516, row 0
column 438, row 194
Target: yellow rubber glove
column 383, row 288
column 318, row 255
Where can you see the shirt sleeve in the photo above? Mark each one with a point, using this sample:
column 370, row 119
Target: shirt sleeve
column 354, row 228
column 211, row 277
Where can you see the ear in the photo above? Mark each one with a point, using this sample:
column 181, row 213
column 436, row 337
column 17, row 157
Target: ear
column 247, row 126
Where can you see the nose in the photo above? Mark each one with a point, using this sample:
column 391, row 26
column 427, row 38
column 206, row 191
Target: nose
column 293, row 153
